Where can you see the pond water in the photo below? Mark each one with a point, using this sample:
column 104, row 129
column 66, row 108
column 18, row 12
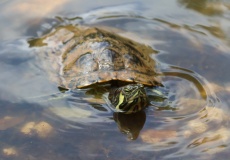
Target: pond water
column 188, row 117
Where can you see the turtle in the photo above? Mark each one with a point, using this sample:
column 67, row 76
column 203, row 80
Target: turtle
column 81, row 56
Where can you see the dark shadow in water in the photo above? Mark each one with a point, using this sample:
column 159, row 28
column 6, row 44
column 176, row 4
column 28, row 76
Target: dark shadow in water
column 130, row 124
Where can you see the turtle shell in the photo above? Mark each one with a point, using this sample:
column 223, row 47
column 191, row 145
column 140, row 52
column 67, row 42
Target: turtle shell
column 82, row 56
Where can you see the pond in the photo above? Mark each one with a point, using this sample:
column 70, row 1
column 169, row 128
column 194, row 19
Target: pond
column 188, row 117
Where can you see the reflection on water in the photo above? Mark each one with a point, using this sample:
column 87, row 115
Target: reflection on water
column 187, row 117
column 207, row 7
column 131, row 124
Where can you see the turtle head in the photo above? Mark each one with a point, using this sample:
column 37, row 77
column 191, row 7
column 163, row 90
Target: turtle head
column 129, row 99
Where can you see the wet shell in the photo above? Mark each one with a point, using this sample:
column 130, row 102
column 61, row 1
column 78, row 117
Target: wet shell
column 82, row 56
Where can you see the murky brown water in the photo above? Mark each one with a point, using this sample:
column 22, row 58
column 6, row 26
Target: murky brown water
column 187, row 118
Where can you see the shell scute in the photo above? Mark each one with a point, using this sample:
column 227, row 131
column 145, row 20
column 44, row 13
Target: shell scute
column 84, row 56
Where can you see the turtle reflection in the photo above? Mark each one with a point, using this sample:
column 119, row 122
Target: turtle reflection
column 130, row 124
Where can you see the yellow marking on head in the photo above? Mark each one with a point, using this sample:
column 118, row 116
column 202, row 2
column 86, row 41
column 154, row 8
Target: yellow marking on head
column 134, row 96
column 121, row 100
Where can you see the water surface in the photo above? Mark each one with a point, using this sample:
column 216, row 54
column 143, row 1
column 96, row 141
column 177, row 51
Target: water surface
column 187, row 118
